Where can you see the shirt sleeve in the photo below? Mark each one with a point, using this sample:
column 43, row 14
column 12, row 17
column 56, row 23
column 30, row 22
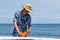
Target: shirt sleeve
column 29, row 22
column 15, row 17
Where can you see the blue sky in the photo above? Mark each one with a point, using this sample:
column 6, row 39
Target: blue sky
column 44, row 11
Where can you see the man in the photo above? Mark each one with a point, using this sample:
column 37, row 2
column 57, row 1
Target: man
column 22, row 22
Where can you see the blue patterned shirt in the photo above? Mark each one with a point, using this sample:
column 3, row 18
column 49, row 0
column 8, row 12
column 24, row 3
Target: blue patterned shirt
column 23, row 21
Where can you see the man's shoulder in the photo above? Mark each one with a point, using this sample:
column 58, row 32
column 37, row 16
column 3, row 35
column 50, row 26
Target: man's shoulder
column 29, row 16
column 17, row 12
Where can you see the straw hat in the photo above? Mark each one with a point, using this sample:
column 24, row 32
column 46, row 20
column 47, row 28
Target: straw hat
column 27, row 7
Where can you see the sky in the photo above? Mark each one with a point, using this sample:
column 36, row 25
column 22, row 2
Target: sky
column 44, row 11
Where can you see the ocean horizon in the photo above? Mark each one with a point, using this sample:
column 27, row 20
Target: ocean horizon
column 38, row 30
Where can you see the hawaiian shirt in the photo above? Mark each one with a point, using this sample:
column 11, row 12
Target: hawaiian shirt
column 23, row 21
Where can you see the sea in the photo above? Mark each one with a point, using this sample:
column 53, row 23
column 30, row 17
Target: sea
column 38, row 30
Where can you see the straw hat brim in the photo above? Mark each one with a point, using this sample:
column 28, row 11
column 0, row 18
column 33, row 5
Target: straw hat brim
column 28, row 9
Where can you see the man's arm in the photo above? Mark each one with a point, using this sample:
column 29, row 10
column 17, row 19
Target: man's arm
column 16, row 27
column 29, row 30
column 15, row 23
column 29, row 25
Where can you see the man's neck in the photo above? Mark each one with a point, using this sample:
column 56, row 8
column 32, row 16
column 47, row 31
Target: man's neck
column 24, row 12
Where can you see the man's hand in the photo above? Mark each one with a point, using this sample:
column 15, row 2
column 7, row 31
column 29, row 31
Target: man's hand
column 29, row 30
column 24, row 34
column 20, row 33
